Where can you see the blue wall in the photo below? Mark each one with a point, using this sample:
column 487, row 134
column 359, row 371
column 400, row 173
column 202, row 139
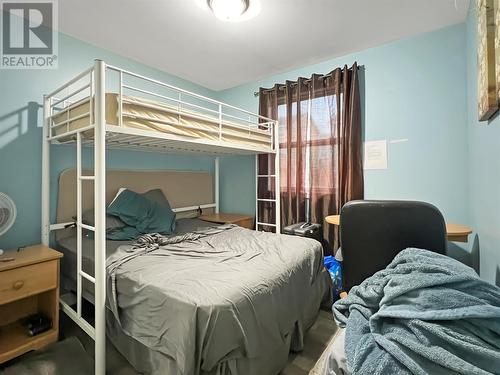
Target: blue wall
column 484, row 168
column 422, row 89
column 415, row 89
column 20, row 137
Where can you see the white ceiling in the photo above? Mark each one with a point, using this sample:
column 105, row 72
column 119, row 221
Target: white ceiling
column 182, row 37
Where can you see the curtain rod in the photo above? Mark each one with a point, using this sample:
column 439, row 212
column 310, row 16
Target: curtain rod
column 256, row 93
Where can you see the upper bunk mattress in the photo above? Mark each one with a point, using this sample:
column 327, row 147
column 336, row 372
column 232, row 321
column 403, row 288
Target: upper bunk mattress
column 144, row 114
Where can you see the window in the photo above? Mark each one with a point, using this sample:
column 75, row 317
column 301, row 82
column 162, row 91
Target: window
column 316, row 141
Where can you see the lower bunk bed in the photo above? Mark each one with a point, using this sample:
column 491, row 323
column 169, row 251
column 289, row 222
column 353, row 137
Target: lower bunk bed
column 208, row 299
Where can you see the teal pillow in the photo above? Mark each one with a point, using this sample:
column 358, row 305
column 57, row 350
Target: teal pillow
column 123, row 234
column 143, row 214
column 157, row 196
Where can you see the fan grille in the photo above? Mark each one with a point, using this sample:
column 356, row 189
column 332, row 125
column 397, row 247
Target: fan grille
column 4, row 216
column 7, row 213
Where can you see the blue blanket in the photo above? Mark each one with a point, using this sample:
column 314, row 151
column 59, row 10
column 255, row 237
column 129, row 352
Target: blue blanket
column 424, row 314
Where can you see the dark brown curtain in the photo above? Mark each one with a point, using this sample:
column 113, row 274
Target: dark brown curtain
column 320, row 127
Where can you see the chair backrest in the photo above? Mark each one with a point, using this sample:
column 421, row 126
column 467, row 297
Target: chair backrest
column 372, row 233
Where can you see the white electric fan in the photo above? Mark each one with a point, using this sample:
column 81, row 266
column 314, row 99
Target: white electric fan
column 8, row 214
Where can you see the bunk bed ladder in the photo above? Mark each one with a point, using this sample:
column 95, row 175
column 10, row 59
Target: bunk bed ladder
column 98, row 331
column 271, row 203
column 96, row 86
column 76, row 316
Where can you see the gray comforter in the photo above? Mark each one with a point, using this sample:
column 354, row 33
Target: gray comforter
column 424, row 314
column 210, row 298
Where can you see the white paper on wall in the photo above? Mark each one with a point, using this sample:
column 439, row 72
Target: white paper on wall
column 375, row 156
column 401, row 140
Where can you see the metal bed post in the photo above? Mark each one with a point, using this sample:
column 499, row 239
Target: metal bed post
column 51, row 102
column 277, row 188
column 100, row 217
column 256, row 191
column 46, row 171
column 276, row 175
column 216, row 184
column 79, row 224
column 220, row 122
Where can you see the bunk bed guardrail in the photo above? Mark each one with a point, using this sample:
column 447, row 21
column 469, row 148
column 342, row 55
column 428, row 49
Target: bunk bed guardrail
column 220, row 124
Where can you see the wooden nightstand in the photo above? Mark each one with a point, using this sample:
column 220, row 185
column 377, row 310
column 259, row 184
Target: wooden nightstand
column 28, row 284
column 244, row 221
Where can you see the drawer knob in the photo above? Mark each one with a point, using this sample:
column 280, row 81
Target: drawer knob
column 18, row 284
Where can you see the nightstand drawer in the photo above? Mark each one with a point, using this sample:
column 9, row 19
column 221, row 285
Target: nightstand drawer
column 25, row 281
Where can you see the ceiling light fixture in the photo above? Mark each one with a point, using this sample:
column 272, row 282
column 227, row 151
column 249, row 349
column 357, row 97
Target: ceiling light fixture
column 231, row 10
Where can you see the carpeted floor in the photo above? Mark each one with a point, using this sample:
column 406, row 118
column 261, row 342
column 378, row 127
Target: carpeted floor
column 78, row 346
column 316, row 341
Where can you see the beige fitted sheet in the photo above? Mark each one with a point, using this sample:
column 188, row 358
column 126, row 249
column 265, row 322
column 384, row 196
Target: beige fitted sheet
column 154, row 116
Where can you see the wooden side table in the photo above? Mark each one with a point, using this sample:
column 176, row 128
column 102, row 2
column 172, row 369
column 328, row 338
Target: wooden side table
column 244, row 221
column 458, row 232
column 28, row 284
column 454, row 232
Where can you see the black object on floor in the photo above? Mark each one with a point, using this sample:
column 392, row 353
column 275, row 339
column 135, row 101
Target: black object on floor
column 37, row 323
column 61, row 358
column 305, row 230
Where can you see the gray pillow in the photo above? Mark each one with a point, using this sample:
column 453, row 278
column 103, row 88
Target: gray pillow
column 112, row 222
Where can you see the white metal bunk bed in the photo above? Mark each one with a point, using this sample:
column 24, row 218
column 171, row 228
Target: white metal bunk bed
column 78, row 112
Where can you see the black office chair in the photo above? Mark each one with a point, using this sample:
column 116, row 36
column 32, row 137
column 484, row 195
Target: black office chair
column 372, row 233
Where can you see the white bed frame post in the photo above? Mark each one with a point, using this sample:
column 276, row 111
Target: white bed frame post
column 46, row 172
column 277, row 187
column 216, row 167
column 100, row 216
column 257, row 192
column 276, row 176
